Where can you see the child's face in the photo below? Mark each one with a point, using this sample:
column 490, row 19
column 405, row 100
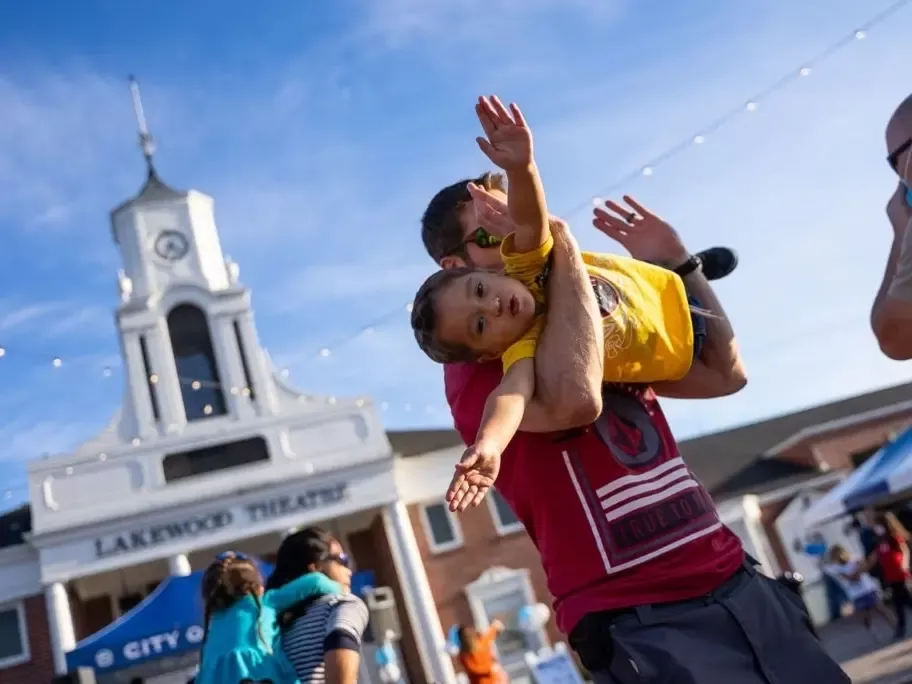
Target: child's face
column 486, row 312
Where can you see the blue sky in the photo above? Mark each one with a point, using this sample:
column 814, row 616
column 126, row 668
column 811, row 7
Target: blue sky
column 322, row 129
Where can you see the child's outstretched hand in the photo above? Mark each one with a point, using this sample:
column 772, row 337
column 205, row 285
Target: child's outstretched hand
column 475, row 475
column 509, row 140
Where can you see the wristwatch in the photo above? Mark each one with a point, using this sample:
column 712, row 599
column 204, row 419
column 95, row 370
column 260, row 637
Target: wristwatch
column 694, row 263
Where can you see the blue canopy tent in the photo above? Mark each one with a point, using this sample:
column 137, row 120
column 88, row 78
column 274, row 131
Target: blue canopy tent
column 167, row 624
column 891, row 476
column 888, row 472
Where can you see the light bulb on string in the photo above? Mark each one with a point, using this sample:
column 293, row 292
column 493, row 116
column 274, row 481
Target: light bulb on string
column 153, row 378
column 2, row 352
column 234, row 391
column 57, row 362
column 196, row 384
column 804, row 71
column 647, row 171
column 325, row 352
column 699, row 140
column 106, row 372
column 408, row 307
column 136, row 441
column 245, row 392
column 861, row 35
column 207, row 409
column 751, row 106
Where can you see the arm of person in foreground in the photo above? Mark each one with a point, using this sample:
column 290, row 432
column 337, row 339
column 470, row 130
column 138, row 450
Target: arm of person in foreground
column 342, row 644
column 719, row 371
column 891, row 315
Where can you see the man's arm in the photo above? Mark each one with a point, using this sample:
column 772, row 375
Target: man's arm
column 570, row 355
column 891, row 314
column 719, row 371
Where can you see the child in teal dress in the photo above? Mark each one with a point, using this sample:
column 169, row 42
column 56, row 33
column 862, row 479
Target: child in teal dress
column 242, row 635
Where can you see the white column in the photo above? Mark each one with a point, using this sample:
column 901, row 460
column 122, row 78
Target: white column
column 168, row 388
column 179, row 566
column 60, row 624
column 419, row 602
column 138, row 383
column 231, row 369
column 266, row 401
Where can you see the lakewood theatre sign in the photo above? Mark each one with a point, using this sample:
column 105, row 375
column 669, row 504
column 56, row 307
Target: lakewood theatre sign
column 202, row 525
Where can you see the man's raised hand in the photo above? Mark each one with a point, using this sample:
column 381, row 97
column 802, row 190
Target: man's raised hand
column 474, row 476
column 509, row 140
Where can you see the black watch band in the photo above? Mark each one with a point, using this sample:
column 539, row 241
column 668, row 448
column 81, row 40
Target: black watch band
column 693, row 263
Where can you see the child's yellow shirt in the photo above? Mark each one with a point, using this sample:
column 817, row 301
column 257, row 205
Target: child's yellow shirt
column 646, row 317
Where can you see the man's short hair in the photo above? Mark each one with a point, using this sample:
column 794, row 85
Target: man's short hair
column 441, row 231
column 425, row 317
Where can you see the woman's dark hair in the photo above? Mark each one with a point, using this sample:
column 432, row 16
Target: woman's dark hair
column 297, row 553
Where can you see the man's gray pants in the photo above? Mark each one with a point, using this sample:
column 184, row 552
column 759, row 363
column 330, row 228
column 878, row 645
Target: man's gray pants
column 749, row 631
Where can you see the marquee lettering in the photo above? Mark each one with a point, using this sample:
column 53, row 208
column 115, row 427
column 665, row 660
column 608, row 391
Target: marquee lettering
column 197, row 526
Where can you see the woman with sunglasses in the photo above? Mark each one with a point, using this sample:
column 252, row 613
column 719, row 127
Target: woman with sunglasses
column 321, row 635
column 241, row 621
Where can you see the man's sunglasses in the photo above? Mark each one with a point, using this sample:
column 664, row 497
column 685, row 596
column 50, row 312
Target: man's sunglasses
column 893, row 157
column 480, row 238
column 227, row 555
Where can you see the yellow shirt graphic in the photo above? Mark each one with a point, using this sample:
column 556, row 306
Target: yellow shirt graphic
column 645, row 313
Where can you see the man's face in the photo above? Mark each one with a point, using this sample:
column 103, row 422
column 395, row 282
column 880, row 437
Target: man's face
column 484, row 311
column 479, row 257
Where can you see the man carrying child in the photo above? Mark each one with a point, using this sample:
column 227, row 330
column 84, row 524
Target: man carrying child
column 648, row 584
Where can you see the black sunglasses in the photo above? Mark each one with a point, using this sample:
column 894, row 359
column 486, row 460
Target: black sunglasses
column 893, row 157
column 340, row 558
column 480, row 238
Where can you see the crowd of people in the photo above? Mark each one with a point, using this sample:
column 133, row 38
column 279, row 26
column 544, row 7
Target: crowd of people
column 554, row 360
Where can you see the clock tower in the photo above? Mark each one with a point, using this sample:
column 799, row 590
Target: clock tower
column 186, row 325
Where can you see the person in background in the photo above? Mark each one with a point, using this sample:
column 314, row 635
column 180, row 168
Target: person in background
column 240, row 621
column 476, row 654
column 891, row 314
column 322, row 635
column 857, row 584
column 892, row 555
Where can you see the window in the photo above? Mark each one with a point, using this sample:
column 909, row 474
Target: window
column 218, row 457
column 14, row 646
column 197, row 368
column 505, row 520
column 441, row 527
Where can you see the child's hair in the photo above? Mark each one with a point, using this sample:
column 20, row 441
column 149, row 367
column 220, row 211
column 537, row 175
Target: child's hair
column 467, row 638
column 425, row 319
column 228, row 579
column 441, row 230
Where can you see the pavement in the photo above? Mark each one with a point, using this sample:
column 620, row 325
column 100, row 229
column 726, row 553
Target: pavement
column 869, row 657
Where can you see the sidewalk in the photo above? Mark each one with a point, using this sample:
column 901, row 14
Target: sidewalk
column 869, row 657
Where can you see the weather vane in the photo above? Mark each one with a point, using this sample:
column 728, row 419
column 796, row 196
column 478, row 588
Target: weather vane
column 146, row 141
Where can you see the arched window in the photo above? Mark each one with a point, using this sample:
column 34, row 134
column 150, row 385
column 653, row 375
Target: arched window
column 196, row 366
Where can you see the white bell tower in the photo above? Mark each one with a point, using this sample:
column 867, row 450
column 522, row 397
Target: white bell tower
column 186, row 325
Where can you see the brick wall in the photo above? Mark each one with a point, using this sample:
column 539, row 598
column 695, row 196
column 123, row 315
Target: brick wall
column 483, row 548
column 40, row 668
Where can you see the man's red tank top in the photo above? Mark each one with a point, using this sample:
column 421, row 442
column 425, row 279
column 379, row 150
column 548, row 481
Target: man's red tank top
column 617, row 516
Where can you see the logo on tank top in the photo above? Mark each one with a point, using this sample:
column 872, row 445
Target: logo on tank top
column 643, row 501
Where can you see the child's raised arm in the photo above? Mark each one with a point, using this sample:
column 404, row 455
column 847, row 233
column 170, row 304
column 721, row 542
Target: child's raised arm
column 509, row 145
column 305, row 586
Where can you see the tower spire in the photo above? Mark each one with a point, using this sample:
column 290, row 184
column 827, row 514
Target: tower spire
column 146, row 141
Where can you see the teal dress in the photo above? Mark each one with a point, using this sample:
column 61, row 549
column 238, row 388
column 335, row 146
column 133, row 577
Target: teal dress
column 243, row 641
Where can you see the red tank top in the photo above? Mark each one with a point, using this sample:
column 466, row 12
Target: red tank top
column 618, row 518
column 891, row 554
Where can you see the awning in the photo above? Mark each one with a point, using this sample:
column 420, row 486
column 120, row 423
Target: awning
column 891, row 476
column 166, row 624
column 887, row 472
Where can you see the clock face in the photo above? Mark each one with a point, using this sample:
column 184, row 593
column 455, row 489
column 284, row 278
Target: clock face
column 171, row 245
